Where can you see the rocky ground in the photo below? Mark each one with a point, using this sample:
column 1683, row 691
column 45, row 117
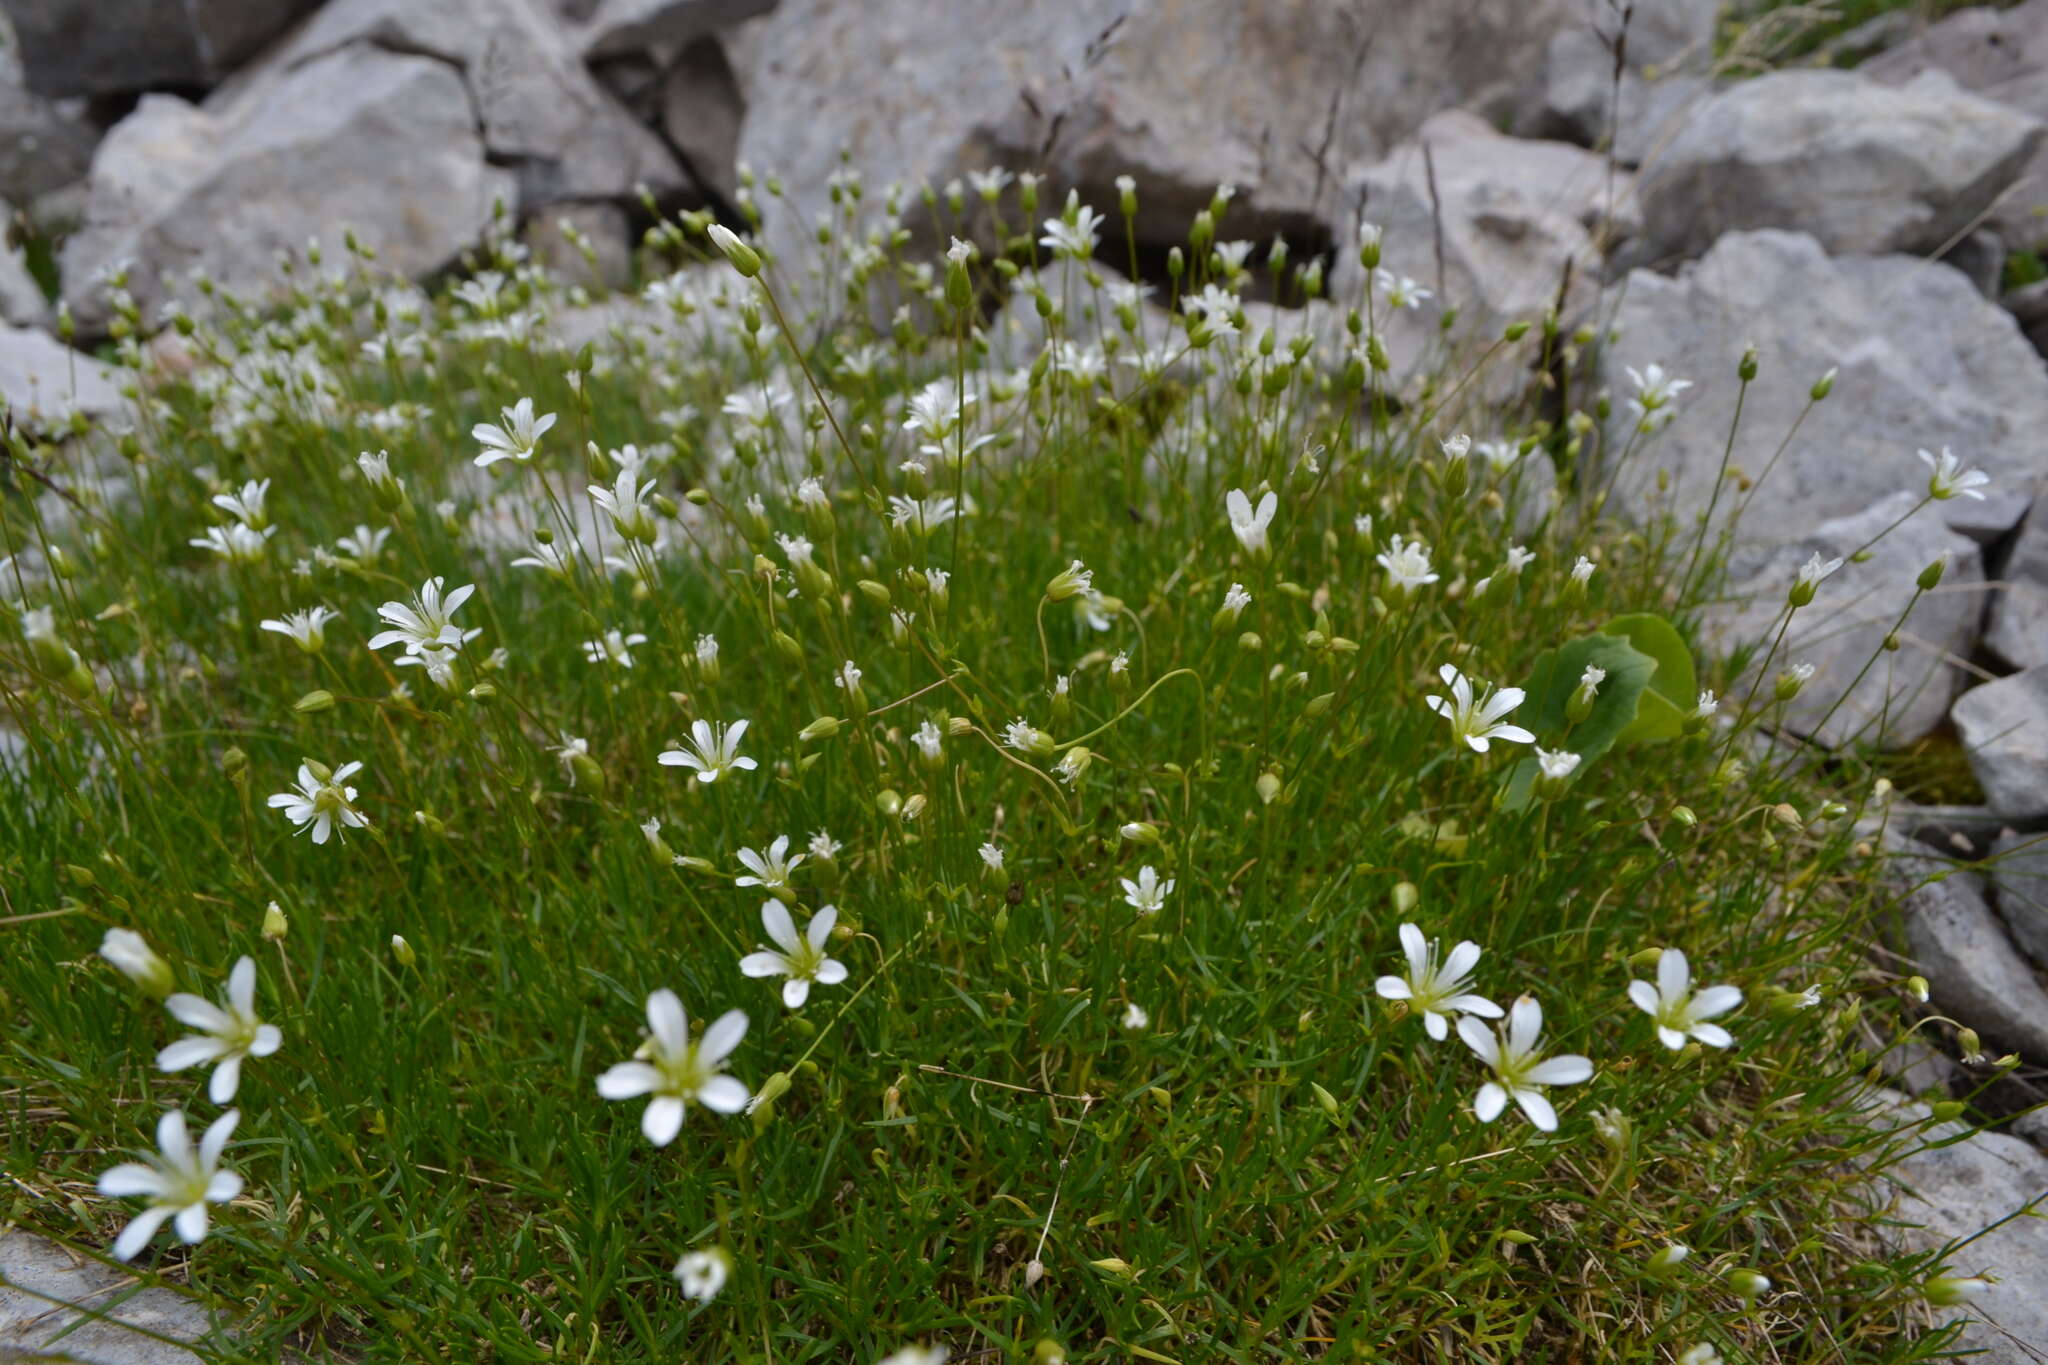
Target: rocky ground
column 1879, row 223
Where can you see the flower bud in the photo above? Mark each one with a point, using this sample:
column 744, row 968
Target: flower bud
column 319, row 699
column 824, row 727
column 1823, row 385
column 1930, row 577
column 402, row 951
column 1140, row 832
column 136, row 960
column 1071, row 582
column 1326, row 1102
column 1748, row 1284
column 1664, row 1264
column 1916, row 986
column 744, row 258
column 1405, row 898
column 275, row 925
column 1268, row 787
column 1949, row 1291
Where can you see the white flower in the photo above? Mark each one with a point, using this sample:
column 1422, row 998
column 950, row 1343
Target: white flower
column 515, row 438
column 365, row 544
column 1499, row 455
column 848, row 677
column 675, row 1070
column 1147, row 895
column 626, row 502
column 1076, row 239
column 1950, row 478
column 236, row 543
column 824, row 847
column 179, row 1182
column 1477, row 722
column 989, row 183
column 246, row 506
column 1407, row 563
column 1654, row 390
column 615, row 648
column 376, row 469
column 1815, row 569
column 1135, row 1017
column 713, row 750
column 229, row 1032
column 319, row 803
column 547, row 557
column 930, row 742
column 1707, row 706
column 1679, row 1011
column 1557, row 766
column 703, row 1273
column 427, row 623
column 991, row 856
column 1401, row 291
column 1701, row 1354
column 707, row 651
column 1436, row 991
column 1248, row 525
column 1519, row 559
column 802, row 957
column 1582, row 569
column 307, row 629
column 1520, row 1071
column 770, row 871
column 1236, row 600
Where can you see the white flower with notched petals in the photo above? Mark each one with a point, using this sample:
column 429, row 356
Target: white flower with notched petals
column 1077, row 238
column 307, row 629
column 713, row 750
column 228, row 1032
column 178, row 1181
column 1436, row 991
column 1407, row 563
column 1655, row 391
column 1247, row 523
column 1400, row 291
column 991, row 857
column 514, row 438
column 1950, row 479
column 1520, row 1070
column 771, row 870
column 1679, row 1011
column 1519, row 558
column 321, row 802
column 427, row 622
column 1147, row 895
column 1477, row 722
column 365, row 544
column 675, row 1070
column 1815, row 570
column 800, row 957
column 236, row 543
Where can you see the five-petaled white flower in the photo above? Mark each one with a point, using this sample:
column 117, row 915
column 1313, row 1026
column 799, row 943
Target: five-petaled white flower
column 426, row 624
column 1950, row 478
column 1520, row 1070
column 771, row 870
column 1076, row 239
column 236, row 543
column 1247, row 523
column 1407, row 563
column 178, row 1181
column 307, row 629
column 1654, row 389
column 1477, row 721
column 713, row 750
column 229, row 1032
column 1681, row 1012
column 321, row 801
column 1401, row 291
column 991, row 856
column 246, row 506
column 1557, row 765
column 675, row 1070
column 516, row 436
column 1147, row 895
column 1436, row 991
column 801, row 957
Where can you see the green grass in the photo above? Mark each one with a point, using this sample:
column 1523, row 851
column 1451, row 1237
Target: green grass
column 1278, row 1166
column 1787, row 31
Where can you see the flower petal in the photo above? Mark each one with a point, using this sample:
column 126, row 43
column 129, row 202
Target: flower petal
column 662, row 1119
column 136, row 1235
column 189, row 1051
column 1566, row 1069
column 780, row 927
column 723, row 1095
column 721, row 1037
column 1539, row 1110
column 214, row 1140
column 764, row 964
column 627, row 1080
column 131, row 1178
column 1715, row 1000
column 1488, row 1103
column 1392, row 988
column 667, row 1022
column 191, row 1223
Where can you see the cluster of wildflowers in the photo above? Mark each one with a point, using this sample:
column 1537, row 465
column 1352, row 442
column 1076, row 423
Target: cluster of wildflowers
column 1051, row 669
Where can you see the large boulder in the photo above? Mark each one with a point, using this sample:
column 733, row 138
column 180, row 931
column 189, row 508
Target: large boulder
column 1924, row 362
column 1861, row 166
column 1665, row 59
column 540, row 110
column 1859, row 691
column 2016, row 627
column 2004, row 729
column 104, row 47
column 2018, row 868
column 1975, row 973
column 2001, row 54
column 85, row 1309
column 380, row 141
column 1276, row 97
